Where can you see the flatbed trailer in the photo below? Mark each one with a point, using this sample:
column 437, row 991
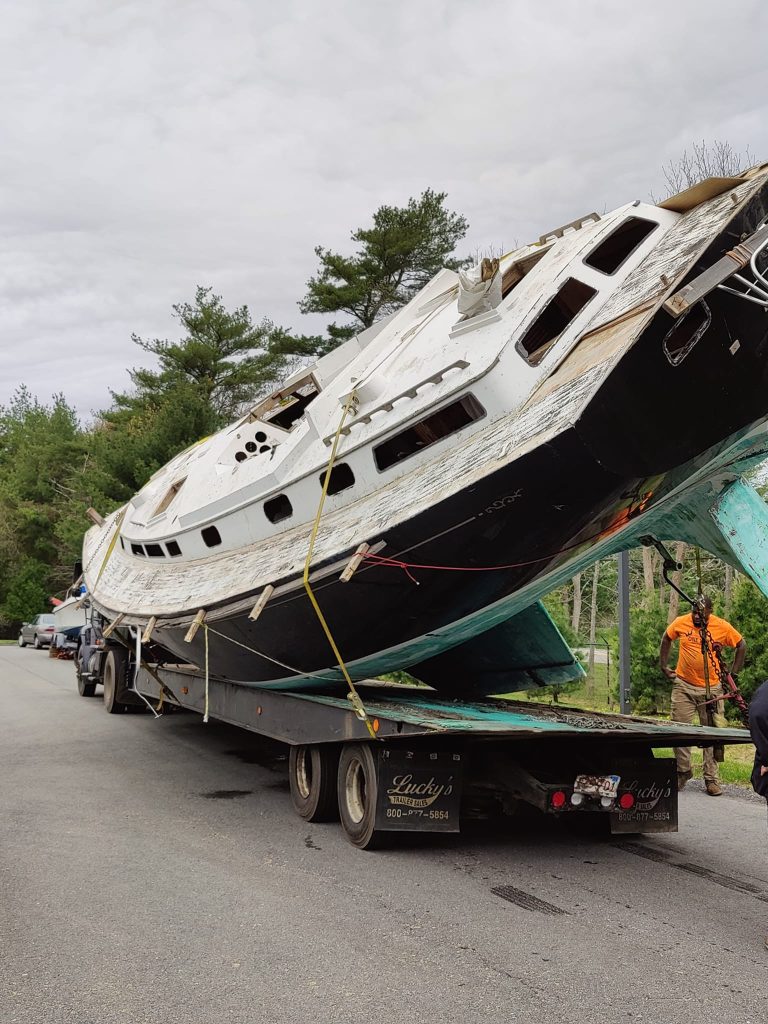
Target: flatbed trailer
column 433, row 760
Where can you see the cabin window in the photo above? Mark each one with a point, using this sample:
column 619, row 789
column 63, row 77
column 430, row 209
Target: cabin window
column 284, row 408
column 137, row 549
column 173, row 549
column 516, row 271
column 154, row 551
column 211, row 536
column 428, row 431
column 558, row 313
column 122, row 544
column 342, row 477
column 168, row 497
column 278, row 508
column 614, row 250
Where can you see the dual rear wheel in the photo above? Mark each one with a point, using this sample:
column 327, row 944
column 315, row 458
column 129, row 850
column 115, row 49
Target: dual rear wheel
column 328, row 784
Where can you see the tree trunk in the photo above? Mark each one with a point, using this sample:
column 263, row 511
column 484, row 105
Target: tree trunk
column 576, row 616
column 592, row 635
column 674, row 597
column 650, row 586
column 728, row 590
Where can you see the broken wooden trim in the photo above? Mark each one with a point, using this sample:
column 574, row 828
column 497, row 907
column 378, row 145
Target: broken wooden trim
column 96, row 517
column 147, row 635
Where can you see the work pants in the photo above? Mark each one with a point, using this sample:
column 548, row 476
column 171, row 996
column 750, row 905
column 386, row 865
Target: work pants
column 685, row 700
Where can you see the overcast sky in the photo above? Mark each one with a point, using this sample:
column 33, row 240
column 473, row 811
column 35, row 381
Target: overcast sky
column 147, row 147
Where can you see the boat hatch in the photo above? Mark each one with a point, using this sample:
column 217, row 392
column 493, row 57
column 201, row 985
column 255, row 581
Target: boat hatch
column 428, row 431
column 615, row 249
column 553, row 319
column 515, row 272
column 283, row 408
column 168, row 497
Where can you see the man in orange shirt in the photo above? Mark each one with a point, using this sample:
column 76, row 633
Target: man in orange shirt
column 689, row 692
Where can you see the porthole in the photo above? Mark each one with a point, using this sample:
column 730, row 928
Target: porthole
column 250, row 446
column 173, row 548
column 240, row 456
column 278, row 508
column 264, row 448
column 211, row 536
column 260, row 436
column 342, row 477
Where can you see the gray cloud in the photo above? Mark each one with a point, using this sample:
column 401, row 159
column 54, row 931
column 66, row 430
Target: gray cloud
column 149, row 147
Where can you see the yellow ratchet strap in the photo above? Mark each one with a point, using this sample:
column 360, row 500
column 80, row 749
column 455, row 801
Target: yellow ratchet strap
column 353, row 696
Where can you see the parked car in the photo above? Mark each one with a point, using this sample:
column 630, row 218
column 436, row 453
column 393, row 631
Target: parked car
column 38, row 632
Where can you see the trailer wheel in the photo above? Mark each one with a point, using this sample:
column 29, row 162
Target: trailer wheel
column 357, row 790
column 115, row 667
column 312, row 774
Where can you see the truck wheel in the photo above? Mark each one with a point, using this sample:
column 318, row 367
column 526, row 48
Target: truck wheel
column 357, row 790
column 312, row 774
column 84, row 688
column 115, row 667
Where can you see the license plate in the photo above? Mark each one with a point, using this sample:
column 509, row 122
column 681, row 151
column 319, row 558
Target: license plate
column 597, row 785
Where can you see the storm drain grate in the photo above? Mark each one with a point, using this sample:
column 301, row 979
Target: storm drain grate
column 526, row 900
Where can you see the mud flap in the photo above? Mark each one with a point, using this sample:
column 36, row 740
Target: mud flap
column 418, row 791
column 655, row 791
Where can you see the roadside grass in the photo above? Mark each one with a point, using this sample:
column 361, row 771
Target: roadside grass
column 8, row 641
column 736, row 768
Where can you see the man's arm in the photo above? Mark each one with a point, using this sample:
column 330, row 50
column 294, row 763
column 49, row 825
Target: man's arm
column 666, row 643
column 739, row 656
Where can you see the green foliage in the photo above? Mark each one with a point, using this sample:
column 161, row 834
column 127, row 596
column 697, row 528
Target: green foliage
column 403, row 250
column 39, row 446
column 650, row 689
column 750, row 616
column 222, row 358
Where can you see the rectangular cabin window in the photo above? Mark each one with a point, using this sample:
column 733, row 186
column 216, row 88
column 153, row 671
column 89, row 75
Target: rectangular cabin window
column 279, row 508
column 173, row 549
column 342, row 477
column 137, row 549
column 616, row 249
column 559, row 312
column 154, row 551
column 428, row 431
column 168, row 497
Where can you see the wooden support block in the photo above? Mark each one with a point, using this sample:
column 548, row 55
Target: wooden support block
column 112, row 625
column 196, row 624
column 258, row 608
column 147, row 636
column 95, row 516
column 82, row 601
column 354, row 563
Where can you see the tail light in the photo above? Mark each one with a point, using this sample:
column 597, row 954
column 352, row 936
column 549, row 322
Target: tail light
column 626, row 801
column 558, row 799
column 48, row 629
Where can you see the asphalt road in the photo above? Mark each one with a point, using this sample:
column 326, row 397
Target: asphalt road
column 153, row 871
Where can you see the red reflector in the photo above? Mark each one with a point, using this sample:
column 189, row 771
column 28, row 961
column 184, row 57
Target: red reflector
column 49, row 629
column 626, row 800
column 558, row 799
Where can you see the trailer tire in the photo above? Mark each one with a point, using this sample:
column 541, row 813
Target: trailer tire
column 312, row 772
column 357, row 791
column 115, row 667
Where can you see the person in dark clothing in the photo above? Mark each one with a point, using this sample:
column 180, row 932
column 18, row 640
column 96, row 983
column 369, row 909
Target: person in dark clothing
column 758, row 728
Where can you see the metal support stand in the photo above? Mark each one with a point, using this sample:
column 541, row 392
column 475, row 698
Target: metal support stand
column 625, row 702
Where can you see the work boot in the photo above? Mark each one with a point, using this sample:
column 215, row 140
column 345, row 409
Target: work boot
column 682, row 778
column 713, row 789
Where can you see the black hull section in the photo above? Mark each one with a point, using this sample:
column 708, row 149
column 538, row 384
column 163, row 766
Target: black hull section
column 649, row 427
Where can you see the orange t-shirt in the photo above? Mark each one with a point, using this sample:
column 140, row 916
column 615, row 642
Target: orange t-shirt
column 690, row 662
